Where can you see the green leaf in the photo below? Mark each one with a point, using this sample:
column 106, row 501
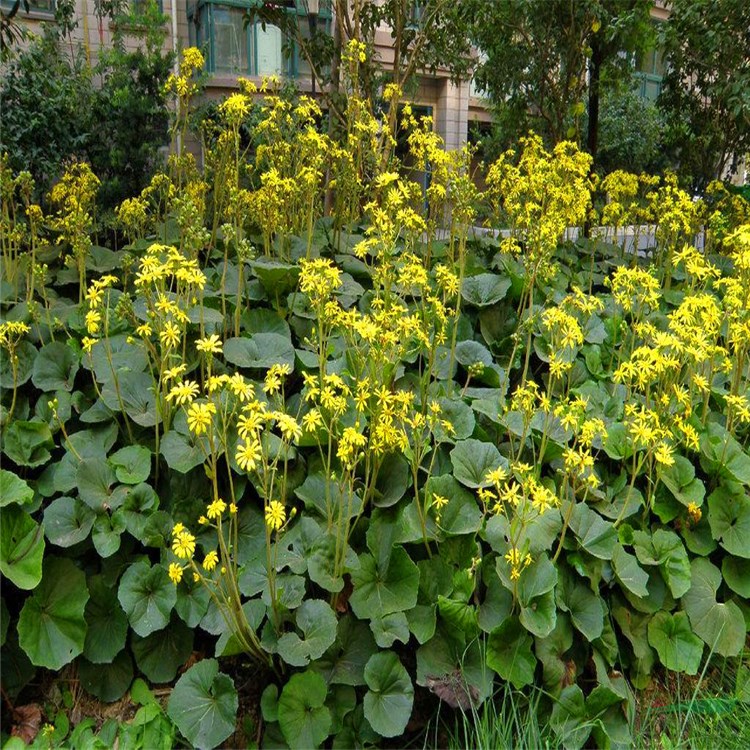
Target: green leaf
column 459, row 616
column 137, row 510
column 665, row 549
column 27, row 443
column 108, row 682
column 551, row 652
column 13, row 489
column 724, row 455
column 132, row 464
column 390, row 628
column 736, row 574
column 26, row 353
column 462, row 514
column 106, row 534
column 259, row 351
column 389, row 700
column 135, row 396
column 628, row 572
column 52, row 627
column 317, row 621
column 585, row 607
column 192, row 601
column 160, row 654
column 681, row 482
column 484, row 289
column 721, row 626
column 597, row 536
column 326, row 498
column 473, row 459
column 509, row 653
column 95, row 479
column 461, row 417
column 147, row 596
column 729, row 518
column 569, row 718
column 678, row 647
column 21, row 548
column 55, row 368
column 393, row 479
column 68, row 521
column 107, row 623
column 380, row 589
column 204, row 704
column 344, row 663
column 182, row 452
column 304, row 719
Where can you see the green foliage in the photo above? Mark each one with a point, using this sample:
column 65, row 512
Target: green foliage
column 372, row 462
column 705, row 87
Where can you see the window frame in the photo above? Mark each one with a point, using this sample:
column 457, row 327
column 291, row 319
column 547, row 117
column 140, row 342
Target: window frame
column 290, row 52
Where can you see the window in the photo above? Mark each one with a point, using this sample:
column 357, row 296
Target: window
column 46, row 7
column 259, row 49
column 649, row 72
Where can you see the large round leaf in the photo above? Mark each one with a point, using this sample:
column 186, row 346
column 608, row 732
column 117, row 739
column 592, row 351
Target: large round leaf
column 55, row 368
column 261, row 350
column 68, row 521
column 107, row 623
column 317, row 621
column 21, row 547
column 380, row 589
column 390, row 697
column 304, row 719
column 133, row 393
column 13, row 489
column 721, row 626
column 28, row 443
column 203, row 705
column 678, row 647
column 484, row 289
column 729, row 518
column 51, row 627
column 147, row 596
column 162, row 653
column 509, row 653
column 108, row 682
column 473, row 459
column 132, row 464
column 736, row 574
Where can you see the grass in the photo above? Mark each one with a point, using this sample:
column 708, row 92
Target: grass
column 707, row 712
column 511, row 721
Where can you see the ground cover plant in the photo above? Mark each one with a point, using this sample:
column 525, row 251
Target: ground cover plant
column 367, row 457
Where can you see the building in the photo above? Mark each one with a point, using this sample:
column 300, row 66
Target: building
column 255, row 51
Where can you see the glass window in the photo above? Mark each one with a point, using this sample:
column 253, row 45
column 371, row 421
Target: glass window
column 229, row 41
column 231, row 48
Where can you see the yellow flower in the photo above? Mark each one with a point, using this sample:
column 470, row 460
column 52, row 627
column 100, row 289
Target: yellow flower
column 183, row 545
column 663, row 454
column 439, row 501
column 496, row 475
column 209, row 345
column 289, row 427
column 93, row 320
column 312, row 420
column 210, row 560
column 173, row 372
column 87, row 343
column 694, row 513
column 175, row 573
column 241, row 388
column 199, row 417
column 144, row 330
column 215, row 509
column 232, row 508
column 275, row 515
column 170, row 336
column 184, row 392
column 248, row 454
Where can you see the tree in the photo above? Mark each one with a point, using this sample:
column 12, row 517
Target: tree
column 706, row 95
column 426, row 35
column 545, row 60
